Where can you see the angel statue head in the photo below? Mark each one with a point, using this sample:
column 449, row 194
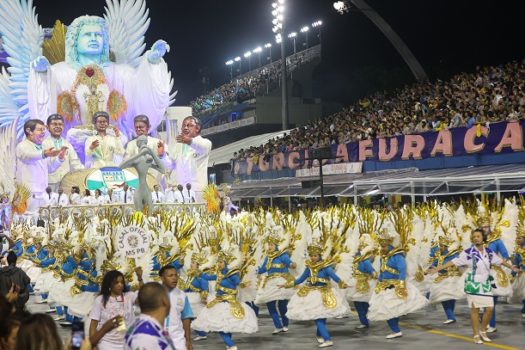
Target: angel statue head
column 87, row 42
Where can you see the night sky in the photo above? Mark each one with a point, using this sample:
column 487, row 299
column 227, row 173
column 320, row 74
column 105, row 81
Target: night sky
column 445, row 36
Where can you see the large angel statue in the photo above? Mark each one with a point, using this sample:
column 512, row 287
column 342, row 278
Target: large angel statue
column 97, row 64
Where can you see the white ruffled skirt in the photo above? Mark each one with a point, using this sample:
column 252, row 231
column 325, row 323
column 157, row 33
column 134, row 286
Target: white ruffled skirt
column 450, row 288
column 311, row 306
column 271, row 291
column 218, row 318
column 80, row 304
column 43, row 283
column 31, row 270
column 352, row 294
column 386, row 304
column 196, row 304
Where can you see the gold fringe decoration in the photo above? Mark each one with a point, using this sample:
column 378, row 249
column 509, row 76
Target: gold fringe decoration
column 54, row 49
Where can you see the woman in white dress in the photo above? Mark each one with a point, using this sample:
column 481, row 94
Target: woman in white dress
column 478, row 282
column 114, row 304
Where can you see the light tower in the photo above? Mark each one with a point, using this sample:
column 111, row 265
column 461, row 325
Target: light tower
column 278, row 11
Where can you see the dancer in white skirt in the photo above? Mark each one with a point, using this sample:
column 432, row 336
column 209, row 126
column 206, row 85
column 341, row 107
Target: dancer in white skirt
column 196, row 287
column 503, row 287
column 318, row 300
column 225, row 314
column 393, row 296
column 364, row 278
column 518, row 259
column 478, row 282
column 274, row 270
column 447, row 286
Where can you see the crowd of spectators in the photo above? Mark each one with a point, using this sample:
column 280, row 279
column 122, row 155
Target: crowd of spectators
column 251, row 84
column 490, row 94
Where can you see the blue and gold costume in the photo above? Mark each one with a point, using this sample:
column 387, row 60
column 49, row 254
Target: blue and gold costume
column 276, row 265
column 495, row 244
column 363, row 271
column 392, row 274
column 441, row 257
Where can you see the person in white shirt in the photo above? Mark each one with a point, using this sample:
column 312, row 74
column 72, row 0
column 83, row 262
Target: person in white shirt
column 478, row 260
column 178, row 195
column 170, row 194
column 127, row 195
column 75, row 198
column 32, row 159
column 55, row 126
column 62, row 199
column 50, row 197
column 157, row 196
column 102, row 149
column 87, row 199
column 191, row 156
column 100, row 198
column 142, row 127
column 189, row 194
column 179, row 318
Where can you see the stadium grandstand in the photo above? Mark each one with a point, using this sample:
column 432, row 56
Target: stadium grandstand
column 250, row 103
column 485, row 101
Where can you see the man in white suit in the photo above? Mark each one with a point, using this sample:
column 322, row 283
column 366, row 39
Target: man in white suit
column 191, row 157
column 34, row 162
column 189, row 194
column 55, row 126
column 62, row 199
column 142, row 126
column 157, row 196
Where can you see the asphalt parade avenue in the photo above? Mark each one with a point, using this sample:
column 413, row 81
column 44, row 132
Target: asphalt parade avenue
column 421, row 330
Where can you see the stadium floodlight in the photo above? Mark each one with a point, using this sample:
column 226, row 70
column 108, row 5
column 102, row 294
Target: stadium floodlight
column 258, row 51
column 230, row 63
column 342, row 7
column 305, row 30
column 247, row 55
column 278, row 10
column 237, row 59
column 318, row 24
column 269, row 47
column 292, row 36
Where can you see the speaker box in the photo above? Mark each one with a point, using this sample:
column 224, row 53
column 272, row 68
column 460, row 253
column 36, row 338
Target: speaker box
column 325, row 152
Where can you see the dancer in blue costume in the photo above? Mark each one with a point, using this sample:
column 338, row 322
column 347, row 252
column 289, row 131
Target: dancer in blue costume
column 318, row 300
column 225, row 314
column 275, row 270
column 447, row 287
